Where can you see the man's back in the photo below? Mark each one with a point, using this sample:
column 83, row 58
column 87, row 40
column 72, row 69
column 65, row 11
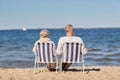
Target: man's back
column 70, row 39
column 64, row 39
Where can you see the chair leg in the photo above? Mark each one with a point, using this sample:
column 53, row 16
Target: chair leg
column 37, row 65
column 61, row 66
column 58, row 64
column 56, row 67
column 35, row 68
column 83, row 67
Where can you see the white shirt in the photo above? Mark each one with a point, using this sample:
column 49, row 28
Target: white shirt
column 62, row 40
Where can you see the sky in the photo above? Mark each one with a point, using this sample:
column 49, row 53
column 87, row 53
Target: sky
column 33, row 14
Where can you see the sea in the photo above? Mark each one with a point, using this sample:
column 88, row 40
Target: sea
column 103, row 46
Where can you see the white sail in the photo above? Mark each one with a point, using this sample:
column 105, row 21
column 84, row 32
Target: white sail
column 24, row 29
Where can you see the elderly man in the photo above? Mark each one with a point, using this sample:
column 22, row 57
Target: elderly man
column 68, row 38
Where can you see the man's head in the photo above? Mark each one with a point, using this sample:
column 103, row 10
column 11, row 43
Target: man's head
column 69, row 30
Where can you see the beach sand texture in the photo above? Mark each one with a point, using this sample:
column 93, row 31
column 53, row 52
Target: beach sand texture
column 91, row 73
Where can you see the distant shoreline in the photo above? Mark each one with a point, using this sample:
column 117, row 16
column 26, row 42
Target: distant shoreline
column 63, row 28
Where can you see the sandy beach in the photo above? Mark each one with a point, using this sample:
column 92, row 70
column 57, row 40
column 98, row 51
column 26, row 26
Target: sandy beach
column 91, row 73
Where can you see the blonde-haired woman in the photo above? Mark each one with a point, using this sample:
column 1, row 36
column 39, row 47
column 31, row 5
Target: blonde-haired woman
column 44, row 37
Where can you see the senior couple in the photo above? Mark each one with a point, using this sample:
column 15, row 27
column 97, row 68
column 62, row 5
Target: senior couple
column 44, row 37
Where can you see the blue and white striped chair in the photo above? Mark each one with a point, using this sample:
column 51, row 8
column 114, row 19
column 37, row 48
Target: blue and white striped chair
column 72, row 53
column 44, row 54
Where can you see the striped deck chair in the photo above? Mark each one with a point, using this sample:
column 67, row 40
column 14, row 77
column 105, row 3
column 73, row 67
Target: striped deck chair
column 72, row 53
column 44, row 54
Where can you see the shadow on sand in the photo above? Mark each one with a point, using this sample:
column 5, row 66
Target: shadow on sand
column 85, row 70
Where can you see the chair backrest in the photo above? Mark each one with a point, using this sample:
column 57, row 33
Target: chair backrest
column 45, row 52
column 72, row 52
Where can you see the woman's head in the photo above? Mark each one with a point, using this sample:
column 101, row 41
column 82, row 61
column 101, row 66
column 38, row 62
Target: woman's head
column 44, row 33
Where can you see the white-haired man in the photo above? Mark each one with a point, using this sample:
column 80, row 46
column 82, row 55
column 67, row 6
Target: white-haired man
column 68, row 38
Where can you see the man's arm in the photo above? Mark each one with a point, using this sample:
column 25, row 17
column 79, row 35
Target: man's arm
column 59, row 50
column 84, row 49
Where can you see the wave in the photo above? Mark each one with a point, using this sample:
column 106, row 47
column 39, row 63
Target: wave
column 101, row 59
column 107, row 59
column 111, row 55
column 94, row 54
column 93, row 49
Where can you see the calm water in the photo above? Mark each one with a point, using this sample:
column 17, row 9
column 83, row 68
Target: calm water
column 16, row 46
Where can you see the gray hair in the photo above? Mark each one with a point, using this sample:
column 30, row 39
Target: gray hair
column 68, row 27
column 44, row 33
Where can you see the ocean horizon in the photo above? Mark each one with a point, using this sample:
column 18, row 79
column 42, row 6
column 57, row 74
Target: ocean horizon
column 103, row 46
column 60, row 28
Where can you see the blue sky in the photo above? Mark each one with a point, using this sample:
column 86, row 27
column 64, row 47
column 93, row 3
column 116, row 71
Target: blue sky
column 15, row 14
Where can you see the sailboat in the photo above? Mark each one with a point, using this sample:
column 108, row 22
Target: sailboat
column 24, row 29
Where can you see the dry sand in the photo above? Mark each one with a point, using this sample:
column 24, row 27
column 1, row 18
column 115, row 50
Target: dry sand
column 91, row 73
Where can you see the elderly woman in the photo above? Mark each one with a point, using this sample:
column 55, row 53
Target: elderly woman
column 44, row 37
